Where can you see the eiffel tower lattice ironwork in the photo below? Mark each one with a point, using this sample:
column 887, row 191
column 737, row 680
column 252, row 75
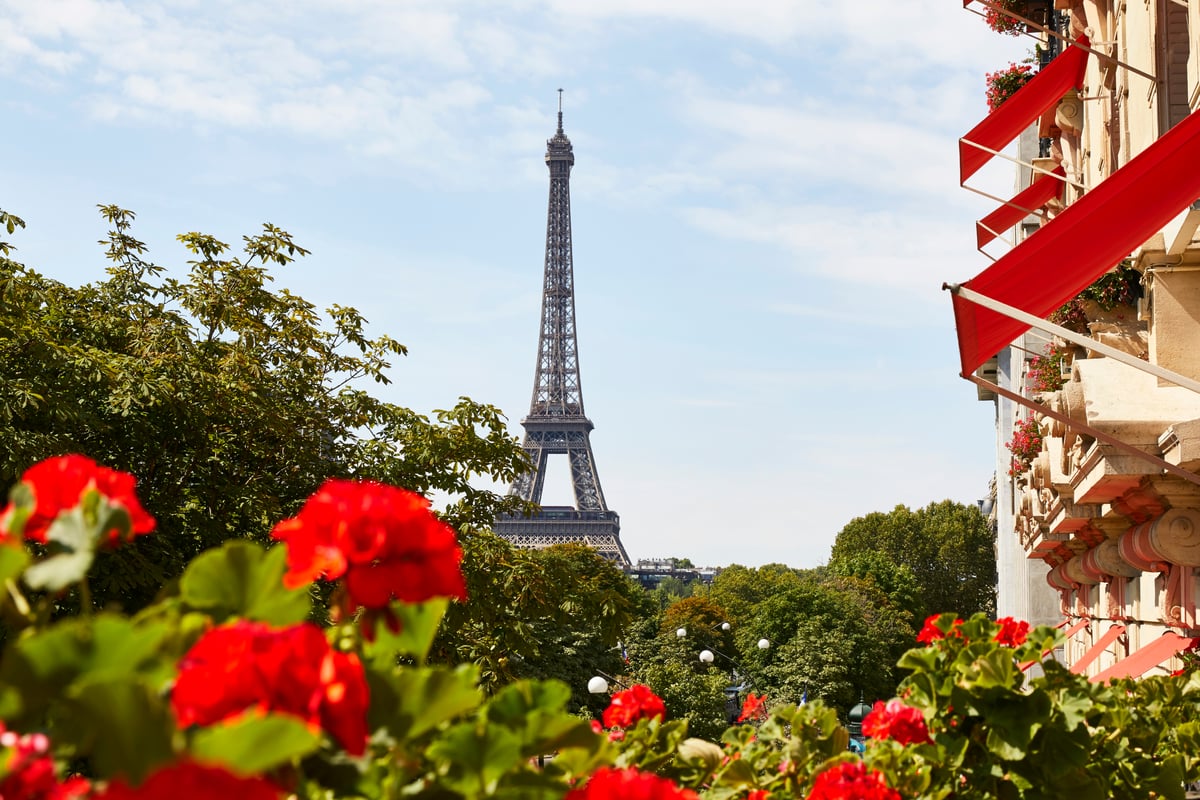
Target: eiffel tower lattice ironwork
column 556, row 424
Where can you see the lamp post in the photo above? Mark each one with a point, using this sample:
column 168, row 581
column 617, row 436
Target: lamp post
column 733, row 702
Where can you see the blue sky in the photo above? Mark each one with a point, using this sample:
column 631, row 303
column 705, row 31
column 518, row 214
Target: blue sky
column 765, row 205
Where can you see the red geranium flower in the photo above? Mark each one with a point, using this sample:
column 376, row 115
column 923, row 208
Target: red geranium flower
column 894, row 720
column 384, row 540
column 755, row 708
column 851, row 781
column 58, row 485
column 1012, row 632
column 636, row 702
column 629, row 784
column 29, row 772
column 292, row 670
column 930, row 632
column 190, row 781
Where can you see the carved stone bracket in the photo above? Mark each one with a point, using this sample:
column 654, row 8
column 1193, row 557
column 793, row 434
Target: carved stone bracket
column 1169, row 545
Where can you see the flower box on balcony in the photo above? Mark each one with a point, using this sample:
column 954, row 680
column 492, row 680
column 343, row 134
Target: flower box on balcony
column 999, row 16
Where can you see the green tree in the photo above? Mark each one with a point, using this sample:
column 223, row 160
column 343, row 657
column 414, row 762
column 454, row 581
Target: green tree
column 670, row 664
column 740, row 589
column 949, row 547
column 558, row 613
column 894, row 580
column 230, row 401
column 830, row 637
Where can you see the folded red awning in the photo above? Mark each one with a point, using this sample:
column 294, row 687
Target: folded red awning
column 1024, row 665
column 1090, row 236
column 999, row 128
column 1110, row 636
column 1076, row 628
column 1042, row 190
column 1151, row 655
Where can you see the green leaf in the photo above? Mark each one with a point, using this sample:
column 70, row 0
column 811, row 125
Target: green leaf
column 414, row 700
column 418, row 625
column 72, row 546
column 13, row 559
column 535, row 710
column 994, row 668
column 1074, row 707
column 255, row 742
column 242, row 580
column 21, row 497
column 472, row 758
column 42, row 666
column 122, row 724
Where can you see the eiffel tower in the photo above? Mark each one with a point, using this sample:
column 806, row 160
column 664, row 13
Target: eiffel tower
column 556, row 424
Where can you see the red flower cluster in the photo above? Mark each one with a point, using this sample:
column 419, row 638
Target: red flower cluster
column 629, row 784
column 1004, row 83
column 58, row 485
column 1045, row 371
column 292, row 670
column 1012, row 632
column 28, row 770
column 1003, row 23
column 930, row 632
column 636, row 702
column 384, row 540
column 894, row 720
column 1026, row 444
column 191, row 781
column 851, row 780
column 754, row 709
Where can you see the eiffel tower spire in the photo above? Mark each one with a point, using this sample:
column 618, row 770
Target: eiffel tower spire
column 556, row 424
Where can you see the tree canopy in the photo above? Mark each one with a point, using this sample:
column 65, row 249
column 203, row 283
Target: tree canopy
column 949, row 548
column 230, row 400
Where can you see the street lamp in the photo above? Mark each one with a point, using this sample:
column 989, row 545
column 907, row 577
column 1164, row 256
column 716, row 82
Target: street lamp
column 739, row 680
column 598, row 684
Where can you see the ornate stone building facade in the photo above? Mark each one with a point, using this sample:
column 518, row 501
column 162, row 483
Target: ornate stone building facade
column 1099, row 409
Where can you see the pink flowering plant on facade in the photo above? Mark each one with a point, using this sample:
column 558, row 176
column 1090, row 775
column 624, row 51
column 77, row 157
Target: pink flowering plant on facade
column 1001, row 22
column 1025, row 445
column 226, row 688
column 1003, row 84
column 1046, row 371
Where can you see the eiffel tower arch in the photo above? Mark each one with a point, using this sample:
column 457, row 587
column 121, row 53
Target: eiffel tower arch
column 557, row 424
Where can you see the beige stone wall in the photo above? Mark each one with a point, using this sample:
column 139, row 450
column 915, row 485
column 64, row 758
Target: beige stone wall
column 1122, row 535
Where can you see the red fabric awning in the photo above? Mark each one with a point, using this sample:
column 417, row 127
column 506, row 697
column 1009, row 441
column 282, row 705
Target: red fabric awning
column 1151, row 655
column 1110, row 636
column 999, row 128
column 1042, row 190
column 1076, row 628
column 1087, row 239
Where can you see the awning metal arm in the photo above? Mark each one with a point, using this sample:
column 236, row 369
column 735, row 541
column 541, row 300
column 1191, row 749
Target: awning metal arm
column 1018, row 162
column 1083, row 427
column 1075, row 338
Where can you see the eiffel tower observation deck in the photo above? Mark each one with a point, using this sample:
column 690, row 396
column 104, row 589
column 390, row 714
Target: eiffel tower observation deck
column 556, row 424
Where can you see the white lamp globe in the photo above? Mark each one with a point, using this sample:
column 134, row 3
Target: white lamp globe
column 706, row 656
column 763, row 644
column 597, row 685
